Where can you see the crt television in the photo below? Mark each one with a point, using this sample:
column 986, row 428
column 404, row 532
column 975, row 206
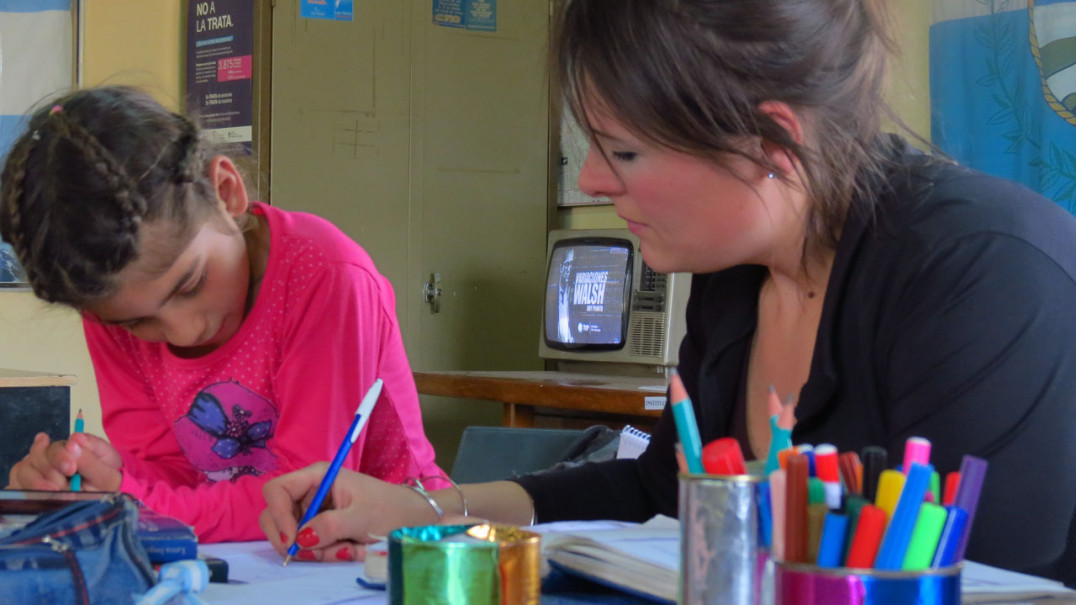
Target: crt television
column 605, row 309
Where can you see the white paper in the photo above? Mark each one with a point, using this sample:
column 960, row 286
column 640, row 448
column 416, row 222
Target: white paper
column 256, row 574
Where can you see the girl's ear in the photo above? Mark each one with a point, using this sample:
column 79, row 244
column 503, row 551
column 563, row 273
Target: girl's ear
column 228, row 184
column 788, row 119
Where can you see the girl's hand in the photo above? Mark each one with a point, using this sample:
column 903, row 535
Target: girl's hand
column 364, row 510
column 98, row 462
column 48, row 466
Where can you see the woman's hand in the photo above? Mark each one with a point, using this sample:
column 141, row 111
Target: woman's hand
column 364, row 510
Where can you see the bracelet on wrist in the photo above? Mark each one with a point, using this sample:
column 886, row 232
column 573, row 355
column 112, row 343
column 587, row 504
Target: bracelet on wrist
column 459, row 491
column 416, row 486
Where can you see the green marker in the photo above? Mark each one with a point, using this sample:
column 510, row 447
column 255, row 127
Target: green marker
column 852, row 506
column 928, row 528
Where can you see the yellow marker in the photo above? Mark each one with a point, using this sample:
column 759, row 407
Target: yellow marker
column 890, row 482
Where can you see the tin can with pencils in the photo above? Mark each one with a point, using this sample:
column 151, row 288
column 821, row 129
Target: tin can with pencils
column 723, row 553
column 803, row 584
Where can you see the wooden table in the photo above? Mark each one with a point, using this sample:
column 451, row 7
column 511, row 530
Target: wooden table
column 30, row 403
column 521, row 392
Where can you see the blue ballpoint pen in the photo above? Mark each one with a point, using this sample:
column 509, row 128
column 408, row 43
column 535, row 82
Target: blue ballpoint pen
column 362, row 414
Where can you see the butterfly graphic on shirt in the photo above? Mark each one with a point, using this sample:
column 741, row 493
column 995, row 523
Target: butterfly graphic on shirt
column 235, row 435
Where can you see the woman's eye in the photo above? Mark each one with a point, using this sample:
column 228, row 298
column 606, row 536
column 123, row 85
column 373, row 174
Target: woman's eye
column 624, row 156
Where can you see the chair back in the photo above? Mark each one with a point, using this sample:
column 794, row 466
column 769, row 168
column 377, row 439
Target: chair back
column 492, row 453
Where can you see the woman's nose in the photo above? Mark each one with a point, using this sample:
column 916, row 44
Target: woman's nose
column 597, row 178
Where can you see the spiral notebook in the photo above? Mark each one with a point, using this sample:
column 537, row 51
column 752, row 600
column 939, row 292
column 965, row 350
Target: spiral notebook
column 632, row 442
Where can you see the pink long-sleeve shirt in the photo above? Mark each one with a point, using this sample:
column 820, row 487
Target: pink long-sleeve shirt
column 199, row 437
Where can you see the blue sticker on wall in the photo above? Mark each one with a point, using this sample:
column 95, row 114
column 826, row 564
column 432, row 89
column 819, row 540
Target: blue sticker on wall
column 338, row 10
column 448, row 13
column 481, row 15
column 475, row 15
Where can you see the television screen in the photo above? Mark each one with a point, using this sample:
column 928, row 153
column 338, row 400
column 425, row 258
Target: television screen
column 587, row 293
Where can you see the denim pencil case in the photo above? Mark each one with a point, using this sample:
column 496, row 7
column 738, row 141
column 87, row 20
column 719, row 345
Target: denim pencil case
column 85, row 552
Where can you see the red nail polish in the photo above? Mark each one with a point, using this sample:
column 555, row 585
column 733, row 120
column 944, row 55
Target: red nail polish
column 306, row 555
column 307, row 538
column 283, row 538
column 344, row 554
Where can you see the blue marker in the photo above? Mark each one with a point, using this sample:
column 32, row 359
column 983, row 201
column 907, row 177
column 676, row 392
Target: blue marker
column 831, row 546
column 765, row 514
column 952, row 533
column 362, row 414
column 899, row 533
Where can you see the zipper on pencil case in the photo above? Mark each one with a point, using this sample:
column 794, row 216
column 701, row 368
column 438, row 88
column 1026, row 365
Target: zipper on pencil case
column 47, row 549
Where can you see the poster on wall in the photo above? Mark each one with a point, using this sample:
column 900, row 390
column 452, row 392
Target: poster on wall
column 474, row 15
column 336, row 10
column 220, row 68
column 37, row 43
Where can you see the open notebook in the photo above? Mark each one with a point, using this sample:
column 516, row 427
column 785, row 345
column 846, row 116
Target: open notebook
column 644, row 559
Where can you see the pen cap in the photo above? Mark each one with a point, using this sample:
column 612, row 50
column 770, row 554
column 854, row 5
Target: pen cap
column 723, row 457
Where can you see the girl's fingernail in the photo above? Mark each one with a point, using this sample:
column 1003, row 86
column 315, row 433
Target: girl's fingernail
column 344, row 554
column 283, row 538
column 306, row 555
column 307, row 538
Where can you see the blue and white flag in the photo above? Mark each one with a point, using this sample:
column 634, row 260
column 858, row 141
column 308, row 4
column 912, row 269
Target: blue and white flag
column 1003, row 90
column 36, row 62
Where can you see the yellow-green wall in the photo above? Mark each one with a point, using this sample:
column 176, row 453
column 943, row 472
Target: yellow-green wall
column 135, row 42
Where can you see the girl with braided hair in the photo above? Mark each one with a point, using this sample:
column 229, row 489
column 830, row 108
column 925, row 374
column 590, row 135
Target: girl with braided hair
column 231, row 340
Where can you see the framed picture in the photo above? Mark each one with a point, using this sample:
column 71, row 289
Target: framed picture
column 38, row 45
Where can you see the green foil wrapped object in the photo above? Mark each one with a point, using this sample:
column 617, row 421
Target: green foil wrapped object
column 475, row 564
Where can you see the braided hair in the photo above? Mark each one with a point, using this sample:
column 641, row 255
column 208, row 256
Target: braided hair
column 89, row 170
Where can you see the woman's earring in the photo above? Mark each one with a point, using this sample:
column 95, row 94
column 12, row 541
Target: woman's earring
column 771, row 176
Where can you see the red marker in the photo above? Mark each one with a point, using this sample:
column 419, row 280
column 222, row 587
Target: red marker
column 825, row 464
column 723, row 457
column 952, row 482
column 850, row 471
column 867, row 538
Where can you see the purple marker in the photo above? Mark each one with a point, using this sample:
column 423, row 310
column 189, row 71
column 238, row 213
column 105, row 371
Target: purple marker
column 972, row 473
